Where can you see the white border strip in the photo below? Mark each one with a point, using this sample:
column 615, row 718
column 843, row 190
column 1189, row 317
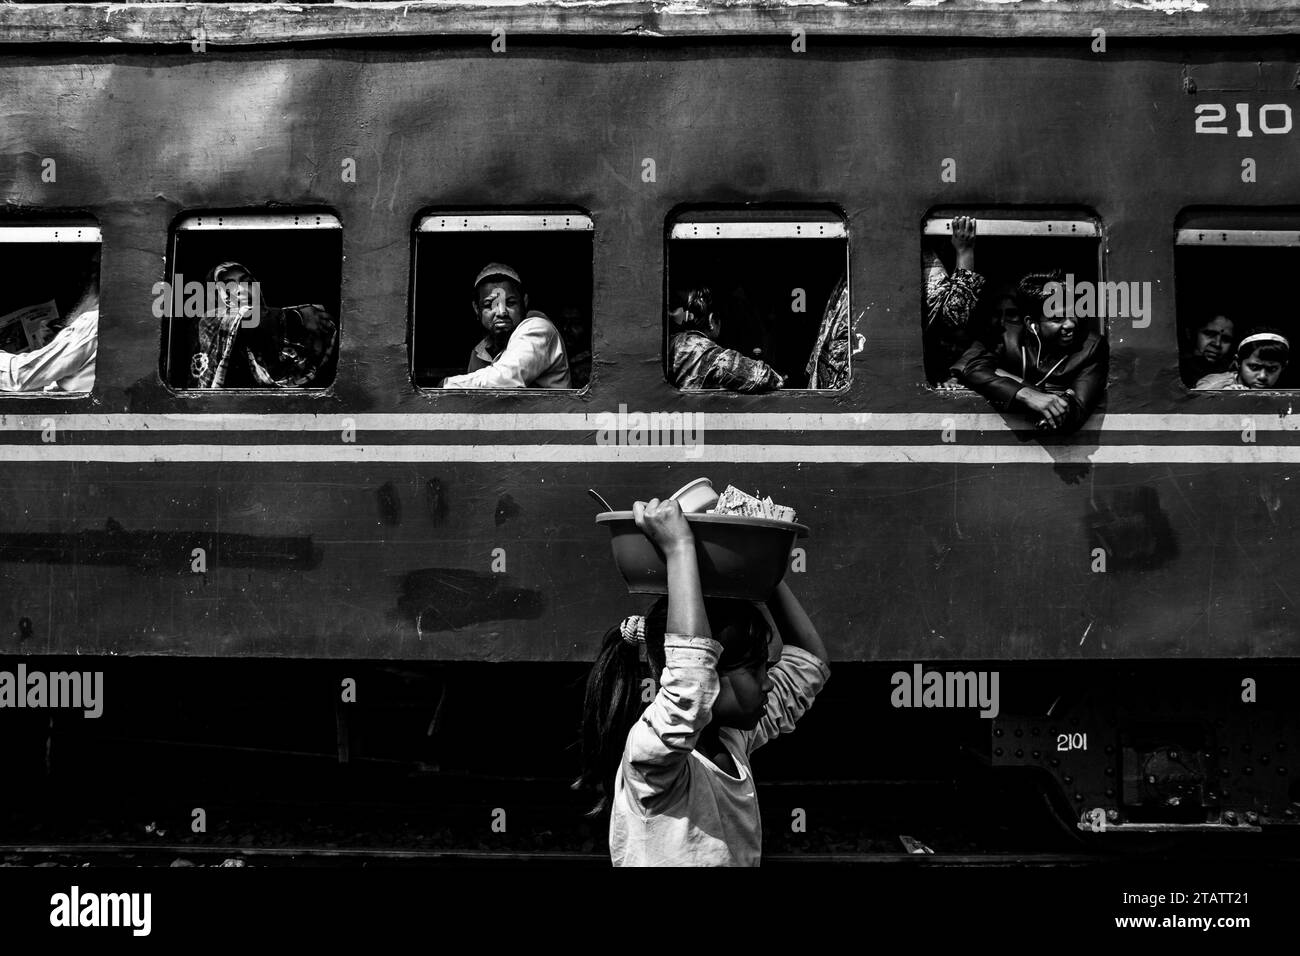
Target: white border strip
column 613, row 454
column 1238, row 237
column 69, row 233
column 1058, row 228
column 218, row 222
column 595, row 421
column 550, row 222
column 686, row 229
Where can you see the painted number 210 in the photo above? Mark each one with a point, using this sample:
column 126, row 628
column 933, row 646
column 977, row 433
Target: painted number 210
column 1273, row 118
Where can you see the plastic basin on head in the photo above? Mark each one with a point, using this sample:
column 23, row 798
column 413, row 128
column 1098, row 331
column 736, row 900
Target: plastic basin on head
column 739, row 557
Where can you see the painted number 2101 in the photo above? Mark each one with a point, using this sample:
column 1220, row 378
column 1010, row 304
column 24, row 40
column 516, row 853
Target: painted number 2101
column 1273, row 118
column 1071, row 741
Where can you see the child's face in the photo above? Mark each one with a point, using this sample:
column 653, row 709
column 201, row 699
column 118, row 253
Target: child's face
column 1256, row 372
column 742, row 695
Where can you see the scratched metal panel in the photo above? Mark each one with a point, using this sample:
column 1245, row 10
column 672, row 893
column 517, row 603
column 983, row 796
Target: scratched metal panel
column 141, row 139
column 904, row 561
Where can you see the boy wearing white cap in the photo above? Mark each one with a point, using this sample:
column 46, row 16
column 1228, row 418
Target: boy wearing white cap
column 521, row 349
column 1261, row 357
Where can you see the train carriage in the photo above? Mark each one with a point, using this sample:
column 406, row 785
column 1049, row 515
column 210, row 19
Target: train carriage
column 369, row 157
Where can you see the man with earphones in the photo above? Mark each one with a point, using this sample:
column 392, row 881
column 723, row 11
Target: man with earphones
column 1055, row 371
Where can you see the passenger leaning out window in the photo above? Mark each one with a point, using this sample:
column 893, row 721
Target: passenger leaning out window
column 698, row 361
column 244, row 342
column 1261, row 358
column 522, row 349
column 1057, row 373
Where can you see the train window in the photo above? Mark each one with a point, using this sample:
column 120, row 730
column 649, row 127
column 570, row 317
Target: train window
column 974, row 289
column 252, row 301
column 49, row 308
column 502, row 300
column 757, row 300
column 1236, row 321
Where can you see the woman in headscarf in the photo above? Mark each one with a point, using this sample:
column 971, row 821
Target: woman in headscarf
column 244, row 342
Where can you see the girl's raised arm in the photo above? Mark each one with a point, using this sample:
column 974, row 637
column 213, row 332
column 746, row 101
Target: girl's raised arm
column 793, row 623
column 798, row 677
column 665, row 525
column 660, row 742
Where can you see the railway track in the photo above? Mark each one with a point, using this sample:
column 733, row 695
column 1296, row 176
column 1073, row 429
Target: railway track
column 182, row 854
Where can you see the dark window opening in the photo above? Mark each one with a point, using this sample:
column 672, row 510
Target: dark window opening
column 777, row 314
column 1236, row 322
column 1006, row 252
column 49, row 308
column 551, row 252
column 252, row 301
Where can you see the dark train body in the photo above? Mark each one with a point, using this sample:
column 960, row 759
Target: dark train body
column 364, row 522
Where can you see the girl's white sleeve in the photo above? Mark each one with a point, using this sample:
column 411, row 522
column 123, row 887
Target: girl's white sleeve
column 798, row 677
column 661, row 741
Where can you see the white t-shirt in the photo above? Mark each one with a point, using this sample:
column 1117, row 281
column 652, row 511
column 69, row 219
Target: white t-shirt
column 673, row 806
column 534, row 357
column 66, row 363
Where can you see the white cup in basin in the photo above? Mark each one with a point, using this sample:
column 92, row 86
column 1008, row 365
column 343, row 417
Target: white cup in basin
column 696, row 497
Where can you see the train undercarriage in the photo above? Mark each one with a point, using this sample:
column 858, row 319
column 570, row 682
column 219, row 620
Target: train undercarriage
column 391, row 757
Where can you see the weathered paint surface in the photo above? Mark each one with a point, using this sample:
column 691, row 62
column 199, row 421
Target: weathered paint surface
column 906, row 561
column 243, row 24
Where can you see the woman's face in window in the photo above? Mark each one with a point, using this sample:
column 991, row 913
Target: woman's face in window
column 235, row 292
column 1214, row 340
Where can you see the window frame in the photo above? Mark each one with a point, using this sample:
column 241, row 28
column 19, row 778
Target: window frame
column 749, row 224
column 1023, row 223
column 550, row 219
column 87, row 231
column 1227, row 238
column 243, row 221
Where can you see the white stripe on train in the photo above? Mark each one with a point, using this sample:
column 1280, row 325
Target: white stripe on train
column 1246, row 454
column 592, row 421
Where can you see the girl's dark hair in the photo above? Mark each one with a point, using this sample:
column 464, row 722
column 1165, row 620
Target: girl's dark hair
column 1265, row 351
column 698, row 304
column 613, row 698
